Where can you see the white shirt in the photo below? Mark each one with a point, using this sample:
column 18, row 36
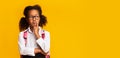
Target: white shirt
column 33, row 43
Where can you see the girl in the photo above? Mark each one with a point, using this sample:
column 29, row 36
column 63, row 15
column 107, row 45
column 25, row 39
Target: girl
column 34, row 42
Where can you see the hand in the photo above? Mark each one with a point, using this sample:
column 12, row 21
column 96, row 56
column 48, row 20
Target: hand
column 37, row 50
column 36, row 31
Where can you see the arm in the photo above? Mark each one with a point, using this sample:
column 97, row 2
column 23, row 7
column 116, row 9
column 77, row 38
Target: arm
column 24, row 50
column 44, row 44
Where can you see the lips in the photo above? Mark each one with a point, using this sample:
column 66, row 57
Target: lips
column 34, row 23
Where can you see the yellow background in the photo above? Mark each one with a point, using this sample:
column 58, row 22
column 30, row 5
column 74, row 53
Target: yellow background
column 79, row 28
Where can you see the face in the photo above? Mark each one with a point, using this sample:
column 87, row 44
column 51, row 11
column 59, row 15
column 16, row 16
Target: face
column 33, row 18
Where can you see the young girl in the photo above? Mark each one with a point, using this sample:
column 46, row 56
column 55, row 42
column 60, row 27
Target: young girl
column 34, row 42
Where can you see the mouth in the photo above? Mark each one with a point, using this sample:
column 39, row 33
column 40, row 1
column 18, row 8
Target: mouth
column 34, row 24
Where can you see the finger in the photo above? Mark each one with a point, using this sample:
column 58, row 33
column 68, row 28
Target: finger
column 37, row 24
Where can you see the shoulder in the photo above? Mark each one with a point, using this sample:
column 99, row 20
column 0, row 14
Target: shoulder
column 21, row 32
column 46, row 32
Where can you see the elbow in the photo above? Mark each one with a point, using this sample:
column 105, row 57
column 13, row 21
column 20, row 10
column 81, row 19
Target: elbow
column 22, row 52
column 46, row 50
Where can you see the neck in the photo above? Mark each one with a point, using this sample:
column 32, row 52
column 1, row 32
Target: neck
column 31, row 28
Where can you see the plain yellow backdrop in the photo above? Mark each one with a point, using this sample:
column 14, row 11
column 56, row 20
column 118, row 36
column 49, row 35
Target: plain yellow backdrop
column 78, row 28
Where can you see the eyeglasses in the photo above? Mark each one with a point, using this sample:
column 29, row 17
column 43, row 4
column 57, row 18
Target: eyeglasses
column 32, row 17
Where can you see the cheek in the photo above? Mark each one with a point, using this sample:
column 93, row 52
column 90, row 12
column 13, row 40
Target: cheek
column 38, row 21
column 30, row 22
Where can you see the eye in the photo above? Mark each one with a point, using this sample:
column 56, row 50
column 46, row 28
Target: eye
column 36, row 17
column 32, row 17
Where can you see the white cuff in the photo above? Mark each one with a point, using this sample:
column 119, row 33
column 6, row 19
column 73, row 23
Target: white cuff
column 40, row 42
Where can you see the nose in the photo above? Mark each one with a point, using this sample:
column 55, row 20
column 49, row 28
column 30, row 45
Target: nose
column 34, row 18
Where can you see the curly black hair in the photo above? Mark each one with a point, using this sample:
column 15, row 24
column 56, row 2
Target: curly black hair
column 23, row 24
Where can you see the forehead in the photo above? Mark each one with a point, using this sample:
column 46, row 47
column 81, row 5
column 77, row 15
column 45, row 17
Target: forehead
column 33, row 12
